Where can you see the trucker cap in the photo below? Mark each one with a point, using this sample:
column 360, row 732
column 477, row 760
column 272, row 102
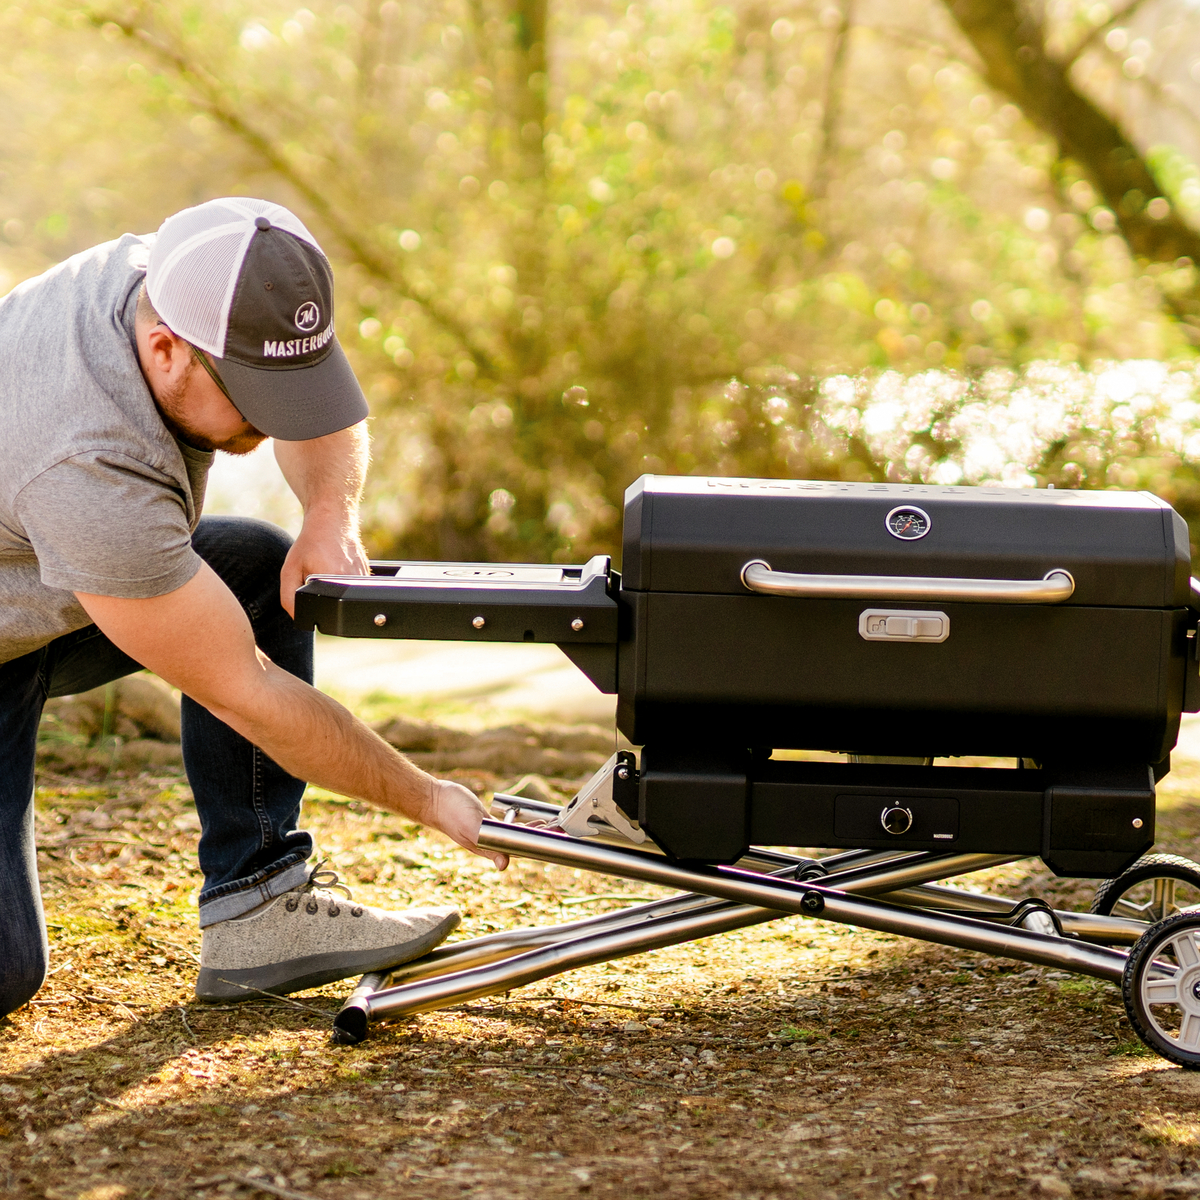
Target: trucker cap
column 245, row 281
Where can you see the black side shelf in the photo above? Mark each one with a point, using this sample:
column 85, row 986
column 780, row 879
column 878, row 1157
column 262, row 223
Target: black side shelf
column 475, row 602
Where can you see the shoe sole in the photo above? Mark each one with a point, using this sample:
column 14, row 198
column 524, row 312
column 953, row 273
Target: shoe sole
column 314, row 970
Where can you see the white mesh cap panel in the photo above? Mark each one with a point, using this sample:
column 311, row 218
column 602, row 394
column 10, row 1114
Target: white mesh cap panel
column 194, row 291
column 196, row 259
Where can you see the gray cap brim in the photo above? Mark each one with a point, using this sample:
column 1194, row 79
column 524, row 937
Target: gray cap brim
column 295, row 404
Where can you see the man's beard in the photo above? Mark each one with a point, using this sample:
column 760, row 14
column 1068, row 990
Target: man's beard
column 169, row 406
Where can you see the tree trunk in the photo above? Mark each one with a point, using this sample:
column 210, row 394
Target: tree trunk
column 1010, row 42
column 831, row 106
column 528, row 18
column 529, row 26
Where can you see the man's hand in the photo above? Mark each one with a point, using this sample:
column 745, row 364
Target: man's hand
column 458, row 812
column 199, row 639
column 324, row 547
column 327, row 477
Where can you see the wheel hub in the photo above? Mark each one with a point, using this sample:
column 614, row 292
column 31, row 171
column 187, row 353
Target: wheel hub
column 1189, row 990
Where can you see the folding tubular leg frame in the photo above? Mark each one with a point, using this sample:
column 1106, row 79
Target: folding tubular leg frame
column 891, row 893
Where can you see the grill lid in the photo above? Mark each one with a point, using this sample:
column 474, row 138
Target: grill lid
column 697, row 535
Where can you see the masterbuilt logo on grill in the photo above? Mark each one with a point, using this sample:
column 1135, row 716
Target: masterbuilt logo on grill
column 295, row 346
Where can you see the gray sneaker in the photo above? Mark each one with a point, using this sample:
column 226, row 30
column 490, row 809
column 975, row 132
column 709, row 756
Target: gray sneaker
column 309, row 937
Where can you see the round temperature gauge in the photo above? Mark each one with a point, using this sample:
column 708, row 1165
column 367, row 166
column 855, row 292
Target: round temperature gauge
column 907, row 523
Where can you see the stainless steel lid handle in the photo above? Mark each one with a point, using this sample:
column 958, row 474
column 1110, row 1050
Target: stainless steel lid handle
column 1054, row 587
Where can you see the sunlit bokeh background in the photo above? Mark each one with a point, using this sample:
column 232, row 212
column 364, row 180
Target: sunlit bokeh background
column 578, row 241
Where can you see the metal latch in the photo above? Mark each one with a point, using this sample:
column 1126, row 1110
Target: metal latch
column 903, row 625
column 594, row 811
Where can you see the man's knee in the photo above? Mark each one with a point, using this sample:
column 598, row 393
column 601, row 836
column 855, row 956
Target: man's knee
column 241, row 542
column 19, row 983
column 248, row 556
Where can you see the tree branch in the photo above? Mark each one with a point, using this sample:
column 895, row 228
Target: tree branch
column 212, row 102
column 1091, row 37
column 1164, row 97
column 1011, row 46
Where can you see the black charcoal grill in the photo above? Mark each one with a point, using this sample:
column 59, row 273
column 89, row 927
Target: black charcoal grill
column 894, row 626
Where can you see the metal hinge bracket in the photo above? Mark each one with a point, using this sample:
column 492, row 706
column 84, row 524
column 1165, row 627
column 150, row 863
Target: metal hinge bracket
column 594, row 811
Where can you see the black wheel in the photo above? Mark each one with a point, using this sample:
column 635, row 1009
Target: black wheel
column 1154, row 888
column 1161, row 989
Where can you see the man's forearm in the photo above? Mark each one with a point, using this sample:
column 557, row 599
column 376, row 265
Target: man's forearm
column 308, row 734
column 327, row 476
column 327, row 473
column 314, row 738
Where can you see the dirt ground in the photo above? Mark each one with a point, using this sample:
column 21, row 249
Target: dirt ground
column 790, row 1059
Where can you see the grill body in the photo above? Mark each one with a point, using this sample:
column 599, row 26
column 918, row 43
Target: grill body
column 882, row 652
column 1100, row 674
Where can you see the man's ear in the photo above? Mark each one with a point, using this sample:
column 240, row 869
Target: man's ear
column 170, row 353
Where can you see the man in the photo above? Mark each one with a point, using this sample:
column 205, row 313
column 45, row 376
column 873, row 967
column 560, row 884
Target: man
column 122, row 371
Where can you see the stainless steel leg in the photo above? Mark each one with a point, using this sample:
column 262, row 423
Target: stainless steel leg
column 1092, row 927
column 489, row 980
column 495, row 946
column 909, row 869
column 506, row 943
column 722, row 899
column 350, row 1025
column 809, row 899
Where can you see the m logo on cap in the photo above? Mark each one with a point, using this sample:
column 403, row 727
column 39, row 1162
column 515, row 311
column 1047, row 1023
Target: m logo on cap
column 307, row 316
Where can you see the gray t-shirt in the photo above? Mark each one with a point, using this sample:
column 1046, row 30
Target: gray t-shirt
column 96, row 494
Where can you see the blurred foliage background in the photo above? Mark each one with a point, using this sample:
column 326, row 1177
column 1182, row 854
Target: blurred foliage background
column 578, row 241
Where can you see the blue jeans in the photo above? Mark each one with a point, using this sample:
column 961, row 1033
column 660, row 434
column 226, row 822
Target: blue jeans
column 250, row 848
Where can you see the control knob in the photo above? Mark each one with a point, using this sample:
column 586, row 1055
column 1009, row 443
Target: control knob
column 896, row 820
